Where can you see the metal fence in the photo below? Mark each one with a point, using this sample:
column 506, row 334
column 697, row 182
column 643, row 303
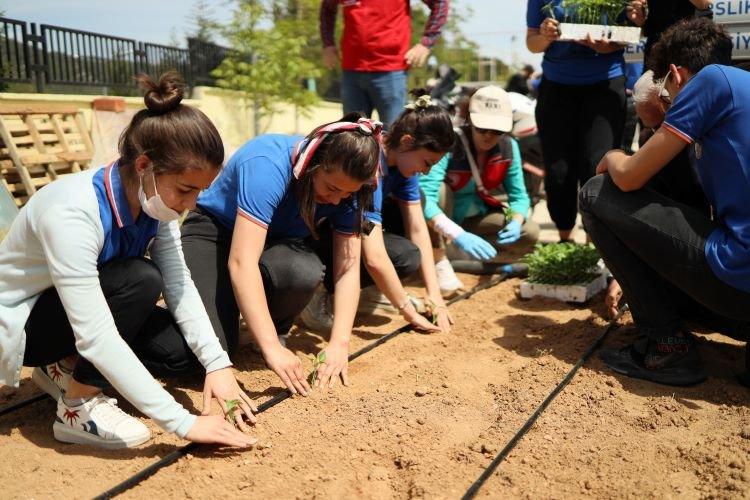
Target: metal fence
column 53, row 55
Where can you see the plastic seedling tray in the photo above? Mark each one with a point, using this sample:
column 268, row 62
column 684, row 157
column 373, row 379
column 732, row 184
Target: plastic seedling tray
column 617, row 34
column 566, row 293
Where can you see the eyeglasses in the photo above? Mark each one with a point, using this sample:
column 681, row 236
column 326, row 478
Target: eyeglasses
column 485, row 131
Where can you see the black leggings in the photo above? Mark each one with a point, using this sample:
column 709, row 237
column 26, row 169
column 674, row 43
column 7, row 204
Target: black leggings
column 131, row 287
column 290, row 269
column 577, row 124
column 404, row 254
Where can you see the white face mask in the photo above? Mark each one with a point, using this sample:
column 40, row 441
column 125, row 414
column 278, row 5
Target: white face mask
column 155, row 206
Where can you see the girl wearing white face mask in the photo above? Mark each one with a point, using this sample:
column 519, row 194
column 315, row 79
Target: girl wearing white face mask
column 78, row 298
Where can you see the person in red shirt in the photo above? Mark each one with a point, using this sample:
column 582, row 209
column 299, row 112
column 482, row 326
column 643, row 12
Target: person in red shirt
column 375, row 51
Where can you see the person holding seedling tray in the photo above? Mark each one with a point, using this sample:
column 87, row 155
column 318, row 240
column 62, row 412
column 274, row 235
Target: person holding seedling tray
column 250, row 245
column 463, row 190
column 78, row 298
column 668, row 256
column 580, row 111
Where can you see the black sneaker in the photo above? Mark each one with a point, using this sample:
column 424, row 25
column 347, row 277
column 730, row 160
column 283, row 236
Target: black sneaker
column 672, row 360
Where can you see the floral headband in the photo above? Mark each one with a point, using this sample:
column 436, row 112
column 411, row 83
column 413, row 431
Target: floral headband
column 305, row 149
column 422, row 102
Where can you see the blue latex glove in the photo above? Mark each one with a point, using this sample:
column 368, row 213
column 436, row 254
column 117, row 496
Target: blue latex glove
column 510, row 233
column 475, row 246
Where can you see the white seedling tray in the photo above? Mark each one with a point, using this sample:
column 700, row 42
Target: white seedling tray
column 566, row 293
column 618, row 34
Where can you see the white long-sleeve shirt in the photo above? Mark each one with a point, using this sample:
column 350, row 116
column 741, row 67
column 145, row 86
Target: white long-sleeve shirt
column 58, row 239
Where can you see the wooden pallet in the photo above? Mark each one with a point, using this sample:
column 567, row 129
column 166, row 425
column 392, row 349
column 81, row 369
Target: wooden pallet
column 38, row 144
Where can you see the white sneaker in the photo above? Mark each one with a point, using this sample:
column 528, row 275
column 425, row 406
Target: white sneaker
column 447, row 279
column 53, row 379
column 98, row 422
column 318, row 315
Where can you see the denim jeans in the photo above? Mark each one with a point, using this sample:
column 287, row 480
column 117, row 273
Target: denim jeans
column 382, row 90
column 655, row 248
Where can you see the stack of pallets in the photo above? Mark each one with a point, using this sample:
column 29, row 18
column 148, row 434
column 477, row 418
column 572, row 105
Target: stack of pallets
column 39, row 144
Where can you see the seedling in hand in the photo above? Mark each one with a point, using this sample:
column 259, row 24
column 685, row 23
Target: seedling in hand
column 317, row 362
column 232, row 405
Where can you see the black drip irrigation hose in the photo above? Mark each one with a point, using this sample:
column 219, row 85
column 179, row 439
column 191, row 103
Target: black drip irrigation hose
column 22, row 403
column 508, row 271
column 487, row 473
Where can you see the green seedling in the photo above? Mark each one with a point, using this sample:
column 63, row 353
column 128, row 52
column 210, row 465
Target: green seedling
column 432, row 307
column 317, row 361
column 562, row 264
column 608, row 12
column 508, row 213
column 232, row 404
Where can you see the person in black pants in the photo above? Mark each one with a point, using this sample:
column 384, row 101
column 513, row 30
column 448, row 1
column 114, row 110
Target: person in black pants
column 580, row 110
column 669, row 257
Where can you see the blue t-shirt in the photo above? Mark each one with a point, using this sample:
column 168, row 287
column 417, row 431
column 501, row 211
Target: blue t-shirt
column 571, row 63
column 123, row 237
column 257, row 183
column 395, row 185
column 712, row 114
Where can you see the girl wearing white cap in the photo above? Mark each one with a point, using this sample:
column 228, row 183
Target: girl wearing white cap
column 399, row 241
column 78, row 298
column 251, row 244
column 469, row 212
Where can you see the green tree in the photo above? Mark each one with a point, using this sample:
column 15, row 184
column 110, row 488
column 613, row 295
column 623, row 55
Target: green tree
column 202, row 25
column 269, row 61
column 452, row 48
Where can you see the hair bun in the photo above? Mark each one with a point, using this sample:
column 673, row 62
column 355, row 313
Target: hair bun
column 164, row 96
column 418, row 92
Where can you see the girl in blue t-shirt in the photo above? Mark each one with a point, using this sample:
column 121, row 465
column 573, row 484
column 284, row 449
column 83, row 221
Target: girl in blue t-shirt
column 78, row 300
column 250, row 246
column 580, row 109
column 673, row 262
column 399, row 242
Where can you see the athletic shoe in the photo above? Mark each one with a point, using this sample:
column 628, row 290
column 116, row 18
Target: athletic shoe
column 318, row 315
column 98, row 422
column 669, row 360
column 447, row 279
column 371, row 299
column 52, row 379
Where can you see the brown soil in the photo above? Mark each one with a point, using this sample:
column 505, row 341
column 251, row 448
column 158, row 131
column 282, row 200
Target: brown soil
column 425, row 416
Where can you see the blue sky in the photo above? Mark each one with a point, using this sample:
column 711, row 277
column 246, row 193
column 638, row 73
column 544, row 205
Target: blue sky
column 492, row 26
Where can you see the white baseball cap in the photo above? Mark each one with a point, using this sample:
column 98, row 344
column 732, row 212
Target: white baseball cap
column 490, row 108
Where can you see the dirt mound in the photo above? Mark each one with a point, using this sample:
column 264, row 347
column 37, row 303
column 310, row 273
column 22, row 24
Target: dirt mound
column 427, row 413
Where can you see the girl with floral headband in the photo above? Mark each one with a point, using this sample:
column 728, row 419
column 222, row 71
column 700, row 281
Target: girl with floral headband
column 250, row 243
column 399, row 243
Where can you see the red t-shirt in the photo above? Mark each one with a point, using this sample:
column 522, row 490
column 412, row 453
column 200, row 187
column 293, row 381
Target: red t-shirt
column 377, row 33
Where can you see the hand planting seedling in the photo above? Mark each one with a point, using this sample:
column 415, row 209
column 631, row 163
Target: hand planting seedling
column 317, row 361
column 562, row 264
column 431, row 308
column 232, row 405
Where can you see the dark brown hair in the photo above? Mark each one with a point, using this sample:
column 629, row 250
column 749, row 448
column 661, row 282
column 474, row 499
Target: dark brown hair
column 693, row 44
column 353, row 152
column 174, row 136
column 430, row 127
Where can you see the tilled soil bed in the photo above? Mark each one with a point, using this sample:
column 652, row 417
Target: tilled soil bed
column 427, row 413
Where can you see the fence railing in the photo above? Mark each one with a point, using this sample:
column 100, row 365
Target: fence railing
column 53, row 55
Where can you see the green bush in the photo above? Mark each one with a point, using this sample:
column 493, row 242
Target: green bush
column 562, row 264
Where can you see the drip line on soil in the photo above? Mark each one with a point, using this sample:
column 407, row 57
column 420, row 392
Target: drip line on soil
column 487, row 473
column 507, row 271
column 24, row 402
